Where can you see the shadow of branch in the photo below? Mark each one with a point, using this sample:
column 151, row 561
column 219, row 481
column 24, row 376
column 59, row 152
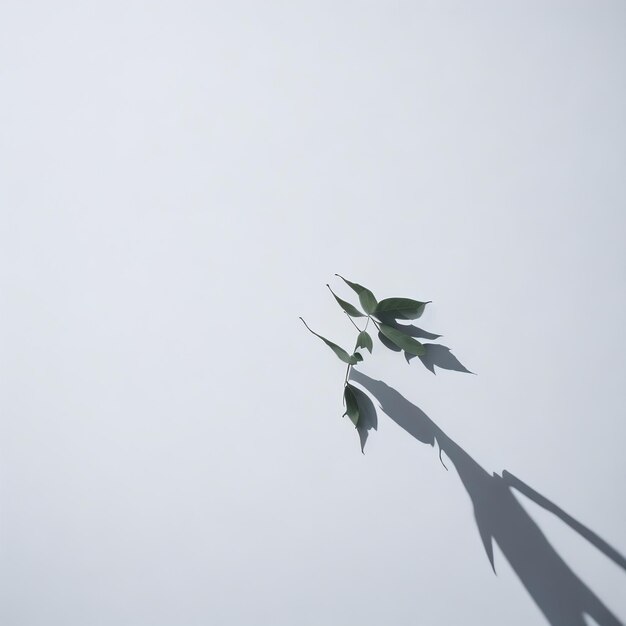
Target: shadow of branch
column 559, row 593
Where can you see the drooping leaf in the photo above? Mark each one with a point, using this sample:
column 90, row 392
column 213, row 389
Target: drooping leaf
column 340, row 352
column 420, row 333
column 408, row 344
column 410, row 329
column 352, row 407
column 350, row 309
column 357, row 356
column 366, row 297
column 388, row 344
column 367, row 416
column 400, row 308
column 364, row 341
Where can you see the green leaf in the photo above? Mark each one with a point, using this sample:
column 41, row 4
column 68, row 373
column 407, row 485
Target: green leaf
column 408, row 344
column 357, row 356
column 388, row 344
column 367, row 416
column 400, row 308
column 364, row 341
column 350, row 309
column 366, row 297
column 340, row 352
column 352, row 407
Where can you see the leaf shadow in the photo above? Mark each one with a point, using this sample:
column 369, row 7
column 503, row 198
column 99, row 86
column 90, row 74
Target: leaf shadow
column 562, row 597
column 440, row 356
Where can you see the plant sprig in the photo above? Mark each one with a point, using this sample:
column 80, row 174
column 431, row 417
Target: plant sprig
column 385, row 315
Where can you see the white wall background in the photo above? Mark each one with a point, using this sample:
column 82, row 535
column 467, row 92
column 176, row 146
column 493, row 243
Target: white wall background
column 178, row 181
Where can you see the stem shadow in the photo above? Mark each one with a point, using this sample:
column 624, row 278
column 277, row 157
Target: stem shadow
column 563, row 598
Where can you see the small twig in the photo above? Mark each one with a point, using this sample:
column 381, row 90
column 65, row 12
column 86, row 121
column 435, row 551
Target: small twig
column 353, row 322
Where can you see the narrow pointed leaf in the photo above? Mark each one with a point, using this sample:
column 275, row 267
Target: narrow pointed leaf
column 408, row 344
column 350, row 309
column 400, row 308
column 364, row 341
column 410, row 330
column 352, row 407
column 366, row 297
column 340, row 352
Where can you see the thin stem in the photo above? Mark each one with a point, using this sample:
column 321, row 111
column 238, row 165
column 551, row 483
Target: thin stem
column 345, row 382
column 353, row 323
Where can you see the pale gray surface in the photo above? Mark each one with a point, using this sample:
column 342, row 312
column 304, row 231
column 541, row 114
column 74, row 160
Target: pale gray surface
column 178, row 181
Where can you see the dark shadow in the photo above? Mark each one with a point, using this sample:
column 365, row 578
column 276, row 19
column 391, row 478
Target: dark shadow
column 441, row 357
column 563, row 598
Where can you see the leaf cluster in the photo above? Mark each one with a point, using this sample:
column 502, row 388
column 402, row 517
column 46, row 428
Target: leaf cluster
column 386, row 315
